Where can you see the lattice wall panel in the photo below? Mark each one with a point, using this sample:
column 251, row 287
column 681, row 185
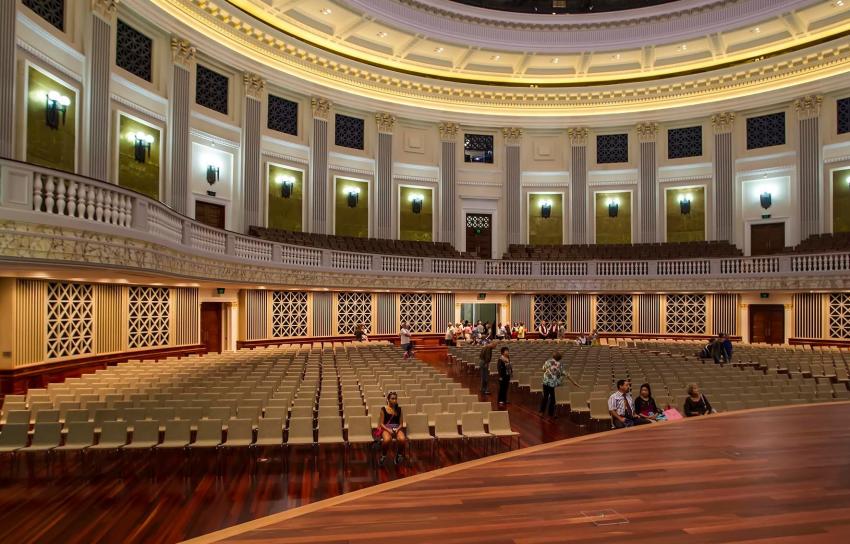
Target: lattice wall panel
column 70, row 319
column 686, row 314
column 289, row 314
column 550, row 308
column 416, row 309
column 148, row 317
column 839, row 315
column 614, row 313
column 354, row 309
column 808, row 315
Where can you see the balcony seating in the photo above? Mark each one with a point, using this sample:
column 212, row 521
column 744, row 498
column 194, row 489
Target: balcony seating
column 822, row 243
column 378, row 246
column 620, row 252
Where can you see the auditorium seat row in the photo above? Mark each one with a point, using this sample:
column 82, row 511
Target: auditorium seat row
column 619, row 252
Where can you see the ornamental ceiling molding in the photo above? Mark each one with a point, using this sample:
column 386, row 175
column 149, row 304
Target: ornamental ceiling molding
column 512, row 135
column 362, row 82
column 350, row 170
column 416, row 179
column 685, row 179
column 217, row 140
column 284, row 157
column 182, row 53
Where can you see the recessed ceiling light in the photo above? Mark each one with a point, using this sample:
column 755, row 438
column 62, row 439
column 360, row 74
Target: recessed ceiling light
column 683, row 47
column 757, row 30
column 439, row 49
column 496, row 57
column 556, row 60
column 615, row 56
column 326, row 11
column 382, row 34
column 838, row 4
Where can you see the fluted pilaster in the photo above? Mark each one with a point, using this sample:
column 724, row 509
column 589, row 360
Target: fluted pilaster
column 319, row 159
column 647, row 136
column 808, row 114
column 448, row 179
column 183, row 57
column 99, row 66
column 513, row 182
column 383, row 221
column 578, row 184
column 7, row 82
column 724, row 173
column 254, row 87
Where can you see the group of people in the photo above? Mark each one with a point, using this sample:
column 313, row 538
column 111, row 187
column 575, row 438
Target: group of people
column 719, row 349
column 482, row 332
column 627, row 411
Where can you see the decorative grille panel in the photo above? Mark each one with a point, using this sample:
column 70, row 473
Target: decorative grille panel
column 839, row 315
column 684, row 142
column 52, row 11
column 612, row 148
column 348, row 131
column 686, row 314
column 844, row 115
column 70, row 317
column 477, row 221
column 614, row 313
column 354, row 309
column 766, row 130
column 283, row 115
column 133, row 51
column 550, row 308
column 211, row 89
column 415, row 310
column 478, row 148
column 289, row 314
column 149, row 317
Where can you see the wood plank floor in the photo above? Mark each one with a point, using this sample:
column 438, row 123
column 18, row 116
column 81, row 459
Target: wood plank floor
column 770, row 475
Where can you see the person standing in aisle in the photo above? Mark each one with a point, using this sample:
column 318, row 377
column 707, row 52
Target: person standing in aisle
column 484, row 361
column 405, row 341
column 505, row 373
column 553, row 376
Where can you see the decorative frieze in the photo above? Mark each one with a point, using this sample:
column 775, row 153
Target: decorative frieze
column 808, row 106
column 512, row 135
column 578, row 135
column 254, row 85
column 385, row 122
column 105, row 9
column 182, row 53
column 647, row 132
column 723, row 122
column 321, row 107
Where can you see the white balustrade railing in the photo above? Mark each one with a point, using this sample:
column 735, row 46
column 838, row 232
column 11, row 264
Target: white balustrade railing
column 749, row 265
column 563, row 268
column 252, row 248
column 301, row 256
column 79, row 198
column 394, row 263
column 622, row 268
column 683, row 268
column 507, row 268
column 453, row 267
column 208, row 238
column 828, row 262
column 164, row 223
column 344, row 260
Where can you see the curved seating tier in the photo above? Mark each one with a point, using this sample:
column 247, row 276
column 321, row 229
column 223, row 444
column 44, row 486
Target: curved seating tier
column 621, row 252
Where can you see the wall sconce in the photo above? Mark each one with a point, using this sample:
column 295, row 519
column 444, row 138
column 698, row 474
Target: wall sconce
column 212, row 177
column 685, row 204
column 546, row 209
column 613, row 207
column 287, row 185
column 56, row 105
column 141, row 145
column 416, row 203
column 353, row 196
column 766, row 200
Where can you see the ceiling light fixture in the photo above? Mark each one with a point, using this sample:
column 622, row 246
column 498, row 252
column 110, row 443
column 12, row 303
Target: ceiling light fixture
column 326, row 11
column 757, row 30
column 556, row 60
column 382, row 34
column 615, row 56
column 439, row 49
column 496, row 57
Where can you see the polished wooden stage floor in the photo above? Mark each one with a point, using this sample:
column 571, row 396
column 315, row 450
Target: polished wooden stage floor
column 770, row 475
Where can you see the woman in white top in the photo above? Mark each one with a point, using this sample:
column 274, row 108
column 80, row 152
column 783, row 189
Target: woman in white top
column 405, row 341
column 450, row 335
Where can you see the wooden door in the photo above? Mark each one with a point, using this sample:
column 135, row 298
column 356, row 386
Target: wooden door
column 479, row 234
column 211, row 313
column 209, row 214
column 767, row 323
column 767, row 238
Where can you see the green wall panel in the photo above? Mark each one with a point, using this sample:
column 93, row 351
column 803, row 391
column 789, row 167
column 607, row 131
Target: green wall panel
column 545, row 231
column 841, row 201
column 614, row 230
column 685, row 227
column 351, row 221
column 416, row 226
column 46, row 146
column 285, row 213
column 132, row 174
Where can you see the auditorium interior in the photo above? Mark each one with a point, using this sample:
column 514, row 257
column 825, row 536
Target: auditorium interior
column 240, row 241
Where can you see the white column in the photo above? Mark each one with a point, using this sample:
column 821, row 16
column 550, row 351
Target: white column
column 384, row 177
column 513, row 188
column 808, row 155
column 251, row 133
column 578, row 184
column 448, row 176
column 647, row 134
column 183, row 57
column 319, row 166
column 724, row 176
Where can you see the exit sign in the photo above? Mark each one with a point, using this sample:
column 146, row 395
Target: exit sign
column 764, row 295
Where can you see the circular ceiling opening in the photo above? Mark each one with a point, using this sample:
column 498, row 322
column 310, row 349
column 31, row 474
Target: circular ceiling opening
column 560, row 7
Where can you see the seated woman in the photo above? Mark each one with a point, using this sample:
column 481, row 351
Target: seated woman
column 645, row 406
column 360, row 334
column 697, row 404
column 391, row 426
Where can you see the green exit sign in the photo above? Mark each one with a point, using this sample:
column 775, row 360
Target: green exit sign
column 764, row 295
column 220, row 290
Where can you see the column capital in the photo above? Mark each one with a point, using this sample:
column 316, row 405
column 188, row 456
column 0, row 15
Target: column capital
column 254, row 85
column 105, row 9
column 512, row 135
column 578, row 135
column 448, row 131
column 321, row 107
column 808, row 106
column 647, row 132
column 182, row 53
column 723, row 122
column 385, row 122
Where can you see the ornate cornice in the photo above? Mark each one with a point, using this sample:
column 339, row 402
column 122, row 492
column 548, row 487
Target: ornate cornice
column 105, row 9
column 254, row 85
column 723, row 122
column 385, row 122
column 448, row 131
column 512, row 135
column 647, row 132
column 182, row 53
column 808, row 106
column 578, row 136
column 321, row 107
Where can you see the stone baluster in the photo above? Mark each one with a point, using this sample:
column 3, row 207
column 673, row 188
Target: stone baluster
column 60, row 197
column 49, row 200
column 90, row 202
column 72, row 198
column 98, row 205
column 37, row 193
column 107, row 206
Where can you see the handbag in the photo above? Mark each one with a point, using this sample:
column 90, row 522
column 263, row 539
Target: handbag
column 672, row 414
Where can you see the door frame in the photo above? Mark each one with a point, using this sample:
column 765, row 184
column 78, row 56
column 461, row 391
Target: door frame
column 479, row 205
column 750, row 321
column 748, row 246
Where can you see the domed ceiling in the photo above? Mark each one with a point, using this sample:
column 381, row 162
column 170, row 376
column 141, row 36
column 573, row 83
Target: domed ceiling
column 558, row 7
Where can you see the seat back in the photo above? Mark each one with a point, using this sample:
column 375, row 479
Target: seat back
column 47, row 416
column 499, row 422
column 240, row 429
column 472, row 422
column 359, row 428
column 219, row 412
column 146, row 431
column 271, row 428
column 209, row 429
column 301, row 428
column 113, row 432
column 14, row 435
column 599, row 409
column 330, row 429
column 417, row 424
column 578, row 401
column 178, row 430
column 47, row 434
column 276, row 412
column 445, row 424
column 80, row 433
column 18, row 416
